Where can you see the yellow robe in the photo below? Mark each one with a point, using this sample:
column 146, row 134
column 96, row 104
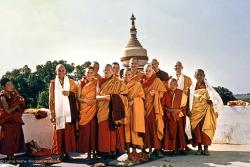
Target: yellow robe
column 202, row 110
column 109, row 140
column 112, row 86
column 138, row 76
column 135, row 114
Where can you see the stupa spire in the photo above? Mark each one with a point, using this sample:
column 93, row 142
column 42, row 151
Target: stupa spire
column 133, row 48
column 133, row 41
column 133, row 29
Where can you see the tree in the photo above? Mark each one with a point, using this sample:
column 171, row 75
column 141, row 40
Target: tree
column 42, row 101
column 80, row 70
column 34, row 86
column 225, row 94
column 19, row 78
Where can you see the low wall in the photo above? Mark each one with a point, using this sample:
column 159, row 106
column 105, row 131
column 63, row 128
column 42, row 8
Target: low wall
column 39, row 130
column 233, row 127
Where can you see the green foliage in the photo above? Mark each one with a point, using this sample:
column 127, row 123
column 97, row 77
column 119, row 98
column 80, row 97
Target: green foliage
column 42, row 101
column 80, row 70
column 34, row 86
column 225, row 94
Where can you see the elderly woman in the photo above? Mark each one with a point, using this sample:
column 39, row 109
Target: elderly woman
column 153, row 89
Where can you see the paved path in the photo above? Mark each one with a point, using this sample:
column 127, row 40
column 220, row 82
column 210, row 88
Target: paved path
column 222, row 155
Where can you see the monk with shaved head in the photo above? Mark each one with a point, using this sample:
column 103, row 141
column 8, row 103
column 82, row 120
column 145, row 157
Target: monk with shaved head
column 110, row 130
column 135, row 125
column 204, row 103
column 62, row 105
column 164, row 77
column 87, row 139
column 184, row 83
column 137, row 74
column 153, row 89
column 173, row 102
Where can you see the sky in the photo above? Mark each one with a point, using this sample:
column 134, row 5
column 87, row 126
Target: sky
column 210, row 34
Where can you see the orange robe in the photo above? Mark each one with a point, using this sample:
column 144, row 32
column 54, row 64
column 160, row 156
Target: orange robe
column 138, row 76
column 98, row 77
column 64, row 140
column 172, row 103
column 11, row 134
column 154, row 123
column 110, row 140
column 135, row 114
column 87, row 139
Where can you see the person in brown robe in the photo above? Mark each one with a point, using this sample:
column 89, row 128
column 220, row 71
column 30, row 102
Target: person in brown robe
column 87, row 139
column 184, row 83
column 137, row 74
column 173, row 102
column 109, row 140
column 153, row 89
column 204, row 104
column 64, row 140
column 164, row 77
column 11, row 110
column 135, row 126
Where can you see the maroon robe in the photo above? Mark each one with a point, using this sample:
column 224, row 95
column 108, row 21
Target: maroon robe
column 64, row 140
column 151, row 139
column 87, row 139
column 11, row 135
column 109, row 139
column 162, row 75
column 199, row 137
column 174, row 138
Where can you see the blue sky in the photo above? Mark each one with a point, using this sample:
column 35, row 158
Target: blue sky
column 209, row 34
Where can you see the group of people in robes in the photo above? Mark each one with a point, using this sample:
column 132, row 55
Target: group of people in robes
column 129, row 110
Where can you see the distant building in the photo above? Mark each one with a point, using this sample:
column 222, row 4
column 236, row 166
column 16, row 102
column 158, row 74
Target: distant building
column 134, row 48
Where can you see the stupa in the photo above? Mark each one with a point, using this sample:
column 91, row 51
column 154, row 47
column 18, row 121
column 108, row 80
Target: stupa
column 134, row 48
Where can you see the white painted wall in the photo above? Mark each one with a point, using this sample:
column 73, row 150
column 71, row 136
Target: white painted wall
column 233, row 125
column 39, row 130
